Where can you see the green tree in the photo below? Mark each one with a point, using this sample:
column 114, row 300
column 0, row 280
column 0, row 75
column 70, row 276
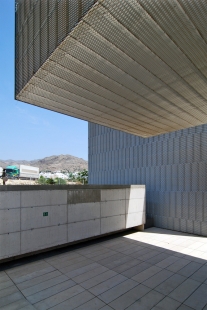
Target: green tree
column 60, row 181
column 50, row 181
column 71, row 176
column 83, row 176
column 42, row 180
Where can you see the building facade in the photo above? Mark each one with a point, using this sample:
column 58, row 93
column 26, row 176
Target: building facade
column 139, row 67
column 173, row 166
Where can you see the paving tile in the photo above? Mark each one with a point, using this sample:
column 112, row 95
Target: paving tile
column 188, row 270
column 126, row 248
column 201, row 261
column 158, row 278
column 44, row 285
column 129, row 273
column 167, row 262
column 67, row 262
column 79, row 271
column 200, row 275
column 89, row 266
column 117, row 291
column 31, row 275
column 58, row 297
column 37, row 280
column 129, row 264
column 75, row 266
column 117, row 262
column 96, row 253
column 167, row 303
column 147, row 302
column 203, row 248
column 50, row 291
column 93, row 304
column 146, row 274
column 27, row 269
column 198, row 299
column 196, row 245
column 75, row 301
column 140, row 253
column 109, row 243
column 130, row 297
column 184, row 307
column 28, row 307
column 62, row 257
column 3, row 277
column 8, row 291
column 10, row 299
column 89, row 249
column 184, row 290
column 117, row 246
column 170, row 284
column 133, row 248
column 106, row 285
column 149, row 255
column 100, row 257
column 98, row 279
column 6, row 284
column 20, row 304
column 110, row 259
column 90, row 274
column 158, row 258
column 179, row 264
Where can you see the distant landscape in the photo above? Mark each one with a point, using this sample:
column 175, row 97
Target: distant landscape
column 51, row 163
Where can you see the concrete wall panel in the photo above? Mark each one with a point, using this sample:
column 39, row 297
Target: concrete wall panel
column 33, row 217
column 84, row 196
column 64, row 223
column 135, row 219
column 83, row 230
column 43, row 198
column 135, row 205
column 135, row 193
column 42, row 238
column 111, row 208
column 10, row 221
column 112, row 194
column 83, row 212
column 9, row 245
column 112, row 223
column 9, row 200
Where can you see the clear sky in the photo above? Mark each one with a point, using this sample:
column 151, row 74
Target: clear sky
column 28, row 132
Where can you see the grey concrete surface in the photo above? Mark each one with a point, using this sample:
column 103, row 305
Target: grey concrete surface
column 137, row 273
column 73, row 214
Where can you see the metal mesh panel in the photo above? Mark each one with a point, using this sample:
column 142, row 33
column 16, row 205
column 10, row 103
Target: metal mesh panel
column 175, row 177
column 40, row 27
column 137, row 66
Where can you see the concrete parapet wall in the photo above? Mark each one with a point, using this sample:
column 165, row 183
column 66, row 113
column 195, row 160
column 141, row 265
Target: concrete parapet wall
column 74, row 213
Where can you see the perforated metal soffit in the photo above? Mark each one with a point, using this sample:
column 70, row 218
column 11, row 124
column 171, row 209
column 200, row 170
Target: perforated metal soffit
column 135, row 65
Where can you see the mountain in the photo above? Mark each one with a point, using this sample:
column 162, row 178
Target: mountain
column 51, row 163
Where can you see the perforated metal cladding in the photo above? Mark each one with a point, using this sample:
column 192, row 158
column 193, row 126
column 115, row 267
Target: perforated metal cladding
column 134, row 65
column 41, row 25
column 173, row 167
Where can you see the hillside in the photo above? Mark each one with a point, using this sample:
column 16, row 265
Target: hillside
column 51, row 163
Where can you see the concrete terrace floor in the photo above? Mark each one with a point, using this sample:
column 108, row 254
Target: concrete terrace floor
column 154, row 269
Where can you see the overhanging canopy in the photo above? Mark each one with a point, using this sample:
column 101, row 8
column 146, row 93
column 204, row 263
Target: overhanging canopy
column 134, row 65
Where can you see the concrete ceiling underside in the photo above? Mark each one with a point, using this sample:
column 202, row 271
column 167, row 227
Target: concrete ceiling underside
column 138, row 66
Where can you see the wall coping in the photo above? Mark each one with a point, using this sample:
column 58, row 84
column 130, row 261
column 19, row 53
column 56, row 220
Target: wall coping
column 4, row 188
